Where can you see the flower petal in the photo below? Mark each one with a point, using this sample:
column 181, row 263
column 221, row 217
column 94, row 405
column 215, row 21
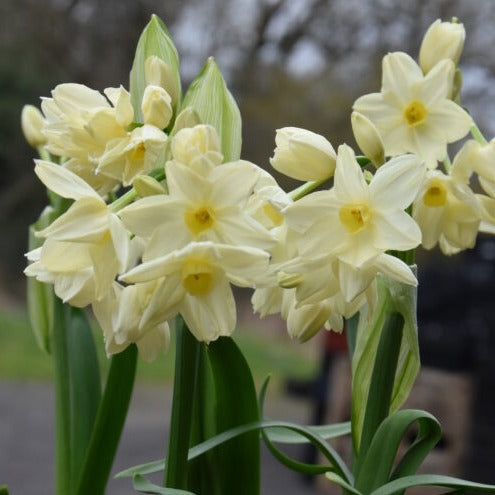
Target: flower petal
column 62, row 181
column 396, row 184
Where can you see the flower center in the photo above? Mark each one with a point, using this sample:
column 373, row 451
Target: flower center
column 354, row 217
column 199, row 220
column 274, row 216
column 436, row 194
column 415, row 113
column 197, row 277
column 137, row 154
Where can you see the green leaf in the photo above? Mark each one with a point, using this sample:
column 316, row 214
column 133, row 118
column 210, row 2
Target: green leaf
column 85, row 385
column 238, row 461
column 109, row 423
column 401, row 484
column 295, row 431
column 144, row 486
column 376, row 468
column 285, row 436
column 209, row 97
column 335, row 478
column 40, row 296
column 155, row 40
column 336, row 463
column 392, row 296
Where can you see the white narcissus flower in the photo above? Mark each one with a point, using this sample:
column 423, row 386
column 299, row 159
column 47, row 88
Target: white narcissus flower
column 448, row 213
column 303, row 155
column 136, row 153
column 478, row 158
column 358, row 220
column 442, row 40
column 199, row 208
column 120, row 313
column 413, row 112
column 320, row 277
column 196, row 284
column 85, row 248
column 79, row 123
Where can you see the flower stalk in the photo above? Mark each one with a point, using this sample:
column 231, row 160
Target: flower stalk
column 185, row 378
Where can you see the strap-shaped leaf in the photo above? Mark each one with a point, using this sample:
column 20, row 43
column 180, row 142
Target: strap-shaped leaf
column 209, row 97
column 199, row 450
column 154, row 40
column 376, row 468
column 144, row 486
column 285, row 436
column 109, row 423
column 401, row 484
column 85, row 385
column 336, row 463
column 238, row 461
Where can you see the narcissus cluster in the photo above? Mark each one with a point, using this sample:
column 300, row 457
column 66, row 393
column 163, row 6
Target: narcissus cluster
column 161, row 217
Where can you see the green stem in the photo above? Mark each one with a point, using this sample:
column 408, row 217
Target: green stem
column 186, row 372
column 477, row 134
column 382, row 382
column 124, row 200
column 306, row 188
column 62, row 400
column 131, row 194
column 109, row 423
column 447, row 164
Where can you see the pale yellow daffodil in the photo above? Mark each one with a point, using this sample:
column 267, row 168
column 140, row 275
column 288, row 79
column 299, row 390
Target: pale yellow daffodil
column 79, row 123
column 136, row 153
column 119, row 314
column 85, row 248
column 448, row 213
column 198, row 208
column 196, row 284
column 413, row 112
column 358, row 221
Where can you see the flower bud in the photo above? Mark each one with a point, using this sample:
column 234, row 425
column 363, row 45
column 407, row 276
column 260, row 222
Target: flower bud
column 186, row 118
column 193, row 144
column 368, row 138
column 158, row 73
column 147, row 186
column 156, row 106
column 443, row 40
column 303, row 155
column 32, row 124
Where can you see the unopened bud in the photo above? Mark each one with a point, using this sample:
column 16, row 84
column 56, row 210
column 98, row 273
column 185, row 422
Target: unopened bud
column 443, row 40
column 32, row 125
column 147, row 186
column 193, row 144
column 158, row 73
column 187, row 118
column 303, row 155
column 156, row 106
column 368, row 138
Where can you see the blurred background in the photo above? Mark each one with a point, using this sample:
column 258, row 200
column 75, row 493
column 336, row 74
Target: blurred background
column 288, row 63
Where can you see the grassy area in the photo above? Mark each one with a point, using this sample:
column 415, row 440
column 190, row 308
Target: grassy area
column 20, row 357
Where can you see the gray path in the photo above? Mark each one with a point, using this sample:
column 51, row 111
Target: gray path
column 26, row 439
